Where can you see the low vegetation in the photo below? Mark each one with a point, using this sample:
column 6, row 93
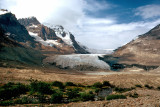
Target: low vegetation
column 148, row 86
column 134, row 95
column 138, row 85
column 38, row 92
column 121, row 90
column 114, row 96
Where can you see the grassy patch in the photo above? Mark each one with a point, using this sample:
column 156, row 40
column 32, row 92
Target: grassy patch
column 121, row 90
column 114, row 96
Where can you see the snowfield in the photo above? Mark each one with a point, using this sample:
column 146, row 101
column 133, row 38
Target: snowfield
column 44, row 42
column 74, row 60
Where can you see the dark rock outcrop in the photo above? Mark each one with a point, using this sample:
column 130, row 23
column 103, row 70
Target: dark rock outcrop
column 18, row 32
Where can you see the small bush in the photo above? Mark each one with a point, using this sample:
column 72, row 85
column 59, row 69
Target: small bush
column 111, row 97
column 106, row 83
column 137, row 85
column 41, row 98
column 97, row 90
column 40, row 87
column 57, row 97
column 70, row 84
column 158, row 88
column 87, row 96
column 72, row 93
column 6, row 103
column 121, row 90
column 58, row 84
column 98, row 85
column 10, row 90
column 135, row 95
column 149, row 87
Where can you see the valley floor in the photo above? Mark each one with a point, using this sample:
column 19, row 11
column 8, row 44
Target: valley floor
column 124, row 79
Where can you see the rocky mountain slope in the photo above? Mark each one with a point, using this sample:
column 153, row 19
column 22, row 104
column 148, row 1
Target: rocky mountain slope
column 14, row 54
column 57, row 38
column 16, row 45
column 145, row 50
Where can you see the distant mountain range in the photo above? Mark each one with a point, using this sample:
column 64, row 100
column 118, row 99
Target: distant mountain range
column 28, row 41
column 56, row 39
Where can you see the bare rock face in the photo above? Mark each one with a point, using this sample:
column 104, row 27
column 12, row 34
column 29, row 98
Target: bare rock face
column 53, row 39
column 145, row 50
column 29, row 21
column 16, row 31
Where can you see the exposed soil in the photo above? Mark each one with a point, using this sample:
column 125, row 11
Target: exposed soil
column 147, row 97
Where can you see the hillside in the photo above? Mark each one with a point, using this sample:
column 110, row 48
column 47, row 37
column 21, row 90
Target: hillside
column 12, row 52
column 145, row 50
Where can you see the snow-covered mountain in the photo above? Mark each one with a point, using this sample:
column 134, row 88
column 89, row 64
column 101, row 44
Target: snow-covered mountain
column 56, row 37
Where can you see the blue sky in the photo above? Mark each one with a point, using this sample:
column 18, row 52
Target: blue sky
column 99, row 24
column 123, row 10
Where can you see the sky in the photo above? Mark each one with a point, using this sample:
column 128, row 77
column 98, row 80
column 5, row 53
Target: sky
column 97, row 24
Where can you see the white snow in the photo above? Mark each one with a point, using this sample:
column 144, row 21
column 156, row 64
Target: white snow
column 77, row 60
column 33, row 26
column 59, row 30
column 47, row 42
column 3, row 12
column 8, row 33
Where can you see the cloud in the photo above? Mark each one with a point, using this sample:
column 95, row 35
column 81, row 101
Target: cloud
column 100, row 33
column 113, row 35
column 148, row 11
column 94, row 6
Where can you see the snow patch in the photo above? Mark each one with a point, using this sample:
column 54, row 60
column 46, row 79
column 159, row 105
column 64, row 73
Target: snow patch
column 63, row 34
column 33, row 26
column 47, row 42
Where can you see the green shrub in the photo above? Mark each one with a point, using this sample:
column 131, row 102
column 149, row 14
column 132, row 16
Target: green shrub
column 111, row 97
column 149, row 87
column 70, row 84
column 6, row 103
column 121, row 90
column 72, row 93
column 137, row 85
column 40, row 87
column 80, row 85
column 98, row 85
column 87, row 96
column 41, row 98
column 106, row 83
column 97, row 90
column 10, row 90
column 57, row 97
column 58, row 84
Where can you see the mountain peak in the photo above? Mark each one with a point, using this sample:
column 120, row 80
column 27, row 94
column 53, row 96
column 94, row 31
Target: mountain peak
column 3, row 11
column 29, row 21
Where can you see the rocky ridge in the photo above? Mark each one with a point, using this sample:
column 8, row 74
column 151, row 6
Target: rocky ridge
column 54, row 38
column 145, row 50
